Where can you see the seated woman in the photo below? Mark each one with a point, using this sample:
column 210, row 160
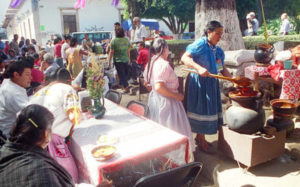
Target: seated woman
column 24, row 160
column 61, row 99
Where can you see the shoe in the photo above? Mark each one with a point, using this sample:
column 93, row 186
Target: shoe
column 132, row 91
column 125, row 90
column 135, row 82
column 132, row 81
column 197, row 142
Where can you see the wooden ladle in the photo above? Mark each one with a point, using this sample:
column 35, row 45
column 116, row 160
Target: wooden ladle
column 241, row 81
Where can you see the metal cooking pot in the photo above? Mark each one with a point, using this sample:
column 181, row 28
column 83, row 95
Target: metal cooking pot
column 263, row 55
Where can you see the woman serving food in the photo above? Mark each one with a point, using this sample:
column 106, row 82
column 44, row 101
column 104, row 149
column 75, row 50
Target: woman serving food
column 203, row 98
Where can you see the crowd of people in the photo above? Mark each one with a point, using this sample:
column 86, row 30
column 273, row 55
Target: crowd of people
column 253, row 25
column 39, row 106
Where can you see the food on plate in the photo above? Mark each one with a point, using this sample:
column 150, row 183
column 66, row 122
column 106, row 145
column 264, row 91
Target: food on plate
column 106, row 139
column 103, row 151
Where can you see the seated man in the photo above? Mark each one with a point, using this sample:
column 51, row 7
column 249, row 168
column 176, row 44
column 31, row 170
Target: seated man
column 143, row 57
column 13, row 96
column 48, row 65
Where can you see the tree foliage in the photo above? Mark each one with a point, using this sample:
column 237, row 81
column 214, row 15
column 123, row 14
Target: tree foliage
column 174, row 13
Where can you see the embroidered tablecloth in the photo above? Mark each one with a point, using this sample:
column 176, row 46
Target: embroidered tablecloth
column 251, row 70
column 290, row 85
column 290, row 80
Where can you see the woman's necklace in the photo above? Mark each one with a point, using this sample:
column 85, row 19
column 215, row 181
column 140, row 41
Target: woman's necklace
column 213, row 49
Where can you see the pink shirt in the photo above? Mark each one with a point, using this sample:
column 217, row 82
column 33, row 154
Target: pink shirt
column 37, row 76
column 163, row 72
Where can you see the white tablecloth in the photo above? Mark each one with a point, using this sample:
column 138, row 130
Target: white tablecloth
column 140, row 139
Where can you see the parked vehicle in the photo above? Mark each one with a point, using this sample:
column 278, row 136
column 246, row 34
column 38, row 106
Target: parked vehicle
column 152, row 27
column 188, row 35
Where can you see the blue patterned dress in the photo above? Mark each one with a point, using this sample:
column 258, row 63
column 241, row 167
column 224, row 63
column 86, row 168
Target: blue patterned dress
column 204, row 105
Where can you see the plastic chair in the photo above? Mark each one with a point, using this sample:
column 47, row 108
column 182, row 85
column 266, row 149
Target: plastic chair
column 185, row 175
column 114, row 96
column 138, row 108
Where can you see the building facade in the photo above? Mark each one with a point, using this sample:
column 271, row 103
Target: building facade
column 41, row 19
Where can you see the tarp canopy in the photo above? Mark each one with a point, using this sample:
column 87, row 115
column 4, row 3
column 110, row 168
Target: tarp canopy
column 150, row 24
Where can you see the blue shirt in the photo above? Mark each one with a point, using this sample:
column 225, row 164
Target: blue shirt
column 2, row 45
column 207, row 56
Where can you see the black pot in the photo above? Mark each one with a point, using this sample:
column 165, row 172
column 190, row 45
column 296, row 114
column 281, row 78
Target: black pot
column 287, row 125
column 244, row 120
column 262, row 55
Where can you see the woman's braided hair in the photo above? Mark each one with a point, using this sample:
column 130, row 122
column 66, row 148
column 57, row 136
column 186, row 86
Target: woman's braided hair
column 157, row 48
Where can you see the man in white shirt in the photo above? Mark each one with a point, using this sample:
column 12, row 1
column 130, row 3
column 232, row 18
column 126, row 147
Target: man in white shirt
column 253, row 24
column 285, row 25
column 87, row 43
column 64, row 48
column 140, row 32
column 13, row 96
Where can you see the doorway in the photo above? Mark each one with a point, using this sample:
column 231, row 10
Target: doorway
column 69, row 24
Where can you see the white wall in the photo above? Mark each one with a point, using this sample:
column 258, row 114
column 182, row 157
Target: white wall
column 19, row 24
column 99, row 13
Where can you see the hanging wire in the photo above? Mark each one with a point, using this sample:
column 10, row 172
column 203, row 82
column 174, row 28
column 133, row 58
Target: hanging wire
column 264, row 20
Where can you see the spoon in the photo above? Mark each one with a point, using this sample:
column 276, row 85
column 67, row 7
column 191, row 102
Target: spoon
column 242, row 81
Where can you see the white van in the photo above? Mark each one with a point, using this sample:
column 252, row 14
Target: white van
column 95, row 36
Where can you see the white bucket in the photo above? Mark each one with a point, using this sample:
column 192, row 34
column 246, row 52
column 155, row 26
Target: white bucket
column 279, row 46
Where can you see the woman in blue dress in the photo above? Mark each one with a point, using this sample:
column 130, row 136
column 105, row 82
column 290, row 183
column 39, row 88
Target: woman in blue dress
column 204, row 106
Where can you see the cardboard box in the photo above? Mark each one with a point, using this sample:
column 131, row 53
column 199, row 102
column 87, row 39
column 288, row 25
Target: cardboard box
column 250, row 150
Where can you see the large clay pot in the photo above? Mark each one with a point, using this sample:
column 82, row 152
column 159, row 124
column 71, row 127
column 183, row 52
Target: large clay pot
column 263, row 55
column 283, row 114
column 246, row 114
column 283, row 107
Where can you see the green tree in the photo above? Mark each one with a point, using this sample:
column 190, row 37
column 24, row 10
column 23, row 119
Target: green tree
column 174, row 13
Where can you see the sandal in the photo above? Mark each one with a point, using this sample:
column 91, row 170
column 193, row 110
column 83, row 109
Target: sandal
column 197, row 142
column 210, row 150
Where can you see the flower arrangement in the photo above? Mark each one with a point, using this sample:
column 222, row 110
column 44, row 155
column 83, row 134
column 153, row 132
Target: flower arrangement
column 95, row 77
